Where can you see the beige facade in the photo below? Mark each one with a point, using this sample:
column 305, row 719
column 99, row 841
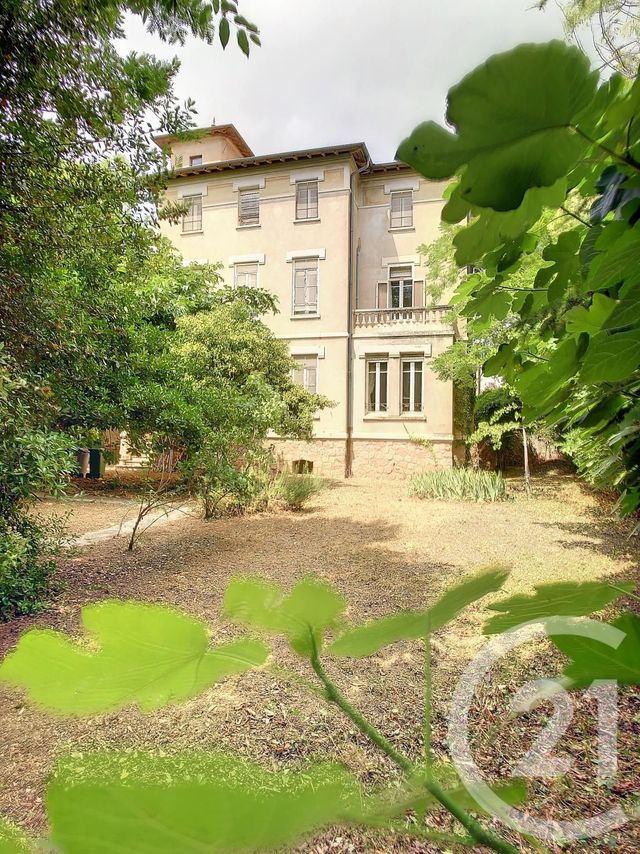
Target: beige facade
column 335, row 238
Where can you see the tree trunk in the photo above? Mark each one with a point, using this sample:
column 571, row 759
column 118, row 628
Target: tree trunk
column 525, row 451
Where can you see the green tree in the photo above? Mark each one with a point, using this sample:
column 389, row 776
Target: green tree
column 551, row 136
column 80, row 182
column 614, row 26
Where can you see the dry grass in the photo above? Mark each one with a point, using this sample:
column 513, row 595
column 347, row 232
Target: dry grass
column 384, row 551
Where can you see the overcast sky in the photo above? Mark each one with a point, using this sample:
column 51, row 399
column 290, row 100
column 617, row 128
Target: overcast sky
column 337, row 71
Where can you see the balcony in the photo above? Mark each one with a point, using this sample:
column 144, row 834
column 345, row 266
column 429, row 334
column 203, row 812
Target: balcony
column 397, row 318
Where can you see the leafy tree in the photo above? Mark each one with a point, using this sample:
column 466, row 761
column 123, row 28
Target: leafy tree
column 80, row 182
column 550, row 135
column 615, row 30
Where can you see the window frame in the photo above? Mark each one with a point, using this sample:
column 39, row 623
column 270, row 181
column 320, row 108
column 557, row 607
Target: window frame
column 307, row 363
column 312, row 209
column 237, row 265
column 190, row 217
column 248, row 219
column 403, row 282
column 377, row 406
column 412, row 362
column 296, row 264
column 196, row 157
column 402, row 218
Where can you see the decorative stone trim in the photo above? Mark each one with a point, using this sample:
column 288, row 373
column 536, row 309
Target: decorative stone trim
column 253, row 183
column 192, row 190
column 257, row 258
column 400, row 184
column 320, row 254
column 306, row 175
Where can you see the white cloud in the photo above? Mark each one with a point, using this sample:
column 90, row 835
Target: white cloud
column 336, row 71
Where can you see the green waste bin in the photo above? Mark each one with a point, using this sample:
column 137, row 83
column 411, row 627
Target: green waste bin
column 97, row 463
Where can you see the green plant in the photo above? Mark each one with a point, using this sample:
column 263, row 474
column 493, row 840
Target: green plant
column 151, row 655
column 546, row 167
column 296, row 489
column 459, row 484
column 27, row 566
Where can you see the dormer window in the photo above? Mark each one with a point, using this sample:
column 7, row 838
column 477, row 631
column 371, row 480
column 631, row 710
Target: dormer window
column 195, row 160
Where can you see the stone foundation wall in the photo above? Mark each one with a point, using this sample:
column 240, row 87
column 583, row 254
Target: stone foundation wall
column 397, row 459
column 327, row 455
column 393, row 459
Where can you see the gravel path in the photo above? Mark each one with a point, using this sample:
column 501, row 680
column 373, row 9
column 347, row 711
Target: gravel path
column 384, row 551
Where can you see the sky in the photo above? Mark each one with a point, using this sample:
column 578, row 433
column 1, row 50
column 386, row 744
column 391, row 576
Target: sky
column 339, row 71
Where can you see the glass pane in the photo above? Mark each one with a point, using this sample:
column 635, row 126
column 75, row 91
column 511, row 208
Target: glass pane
column 406, row 386
column 395, row 294
column 383, row 386
column 407, row 294
column 417, row 392
column 372, row 387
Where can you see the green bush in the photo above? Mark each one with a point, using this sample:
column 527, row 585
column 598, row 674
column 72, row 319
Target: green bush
column 296, row 489
column 27, row 549
column 459, row 485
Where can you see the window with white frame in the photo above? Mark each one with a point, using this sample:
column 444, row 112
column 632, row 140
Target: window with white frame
column 400, row 293
column 192, row 220
column 195, row 160
column 377, row 385
column 412, row 385
column 246, row 275
column 306, row 200
column 249, row 207
column 305, row 286
column 306, row 373
column 402, row 209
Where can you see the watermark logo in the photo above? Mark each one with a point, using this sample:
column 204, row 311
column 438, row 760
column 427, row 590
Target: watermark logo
column 540, row 761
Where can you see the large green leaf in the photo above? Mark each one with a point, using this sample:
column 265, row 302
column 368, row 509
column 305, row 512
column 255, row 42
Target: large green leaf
column 581, row 319
column 489, row 229
column 541, row 385
column 514, row 117
column 303, row 616
column 150, row 655
column 617, row 262
column 553, row 600
column 106, row 804
column 13, row 840
column 592, row 659
column 409, row 625
column 611, row 357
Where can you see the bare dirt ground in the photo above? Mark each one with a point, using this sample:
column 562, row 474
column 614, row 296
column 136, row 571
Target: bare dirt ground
column 384, row 551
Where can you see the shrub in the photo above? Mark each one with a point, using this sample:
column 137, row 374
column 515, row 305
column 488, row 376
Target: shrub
column 27, row 549
column 459, row 485
column 297, row 489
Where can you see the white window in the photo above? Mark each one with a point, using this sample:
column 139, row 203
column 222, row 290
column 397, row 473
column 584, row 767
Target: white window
column 400, row 287
column 192, row 220
column 306, row 200
column 249, row 207
column 195, row 160
column 305, row 286
column 377, row 374
column 402, row 209
column 412, row 385
column 246, row 275
column 306, row 373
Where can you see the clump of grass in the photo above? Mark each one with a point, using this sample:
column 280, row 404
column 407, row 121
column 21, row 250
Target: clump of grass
column 296, row 489
column 459, row 485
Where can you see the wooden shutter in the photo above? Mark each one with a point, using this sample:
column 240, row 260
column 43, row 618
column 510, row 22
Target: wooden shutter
column 249, row 207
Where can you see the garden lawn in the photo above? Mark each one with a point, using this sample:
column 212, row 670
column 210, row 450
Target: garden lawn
column 384, row 551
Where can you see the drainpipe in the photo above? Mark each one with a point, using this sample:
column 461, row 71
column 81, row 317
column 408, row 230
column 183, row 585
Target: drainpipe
column 348, row 453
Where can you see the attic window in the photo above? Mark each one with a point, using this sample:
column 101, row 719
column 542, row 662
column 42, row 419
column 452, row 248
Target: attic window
column 195, row 160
